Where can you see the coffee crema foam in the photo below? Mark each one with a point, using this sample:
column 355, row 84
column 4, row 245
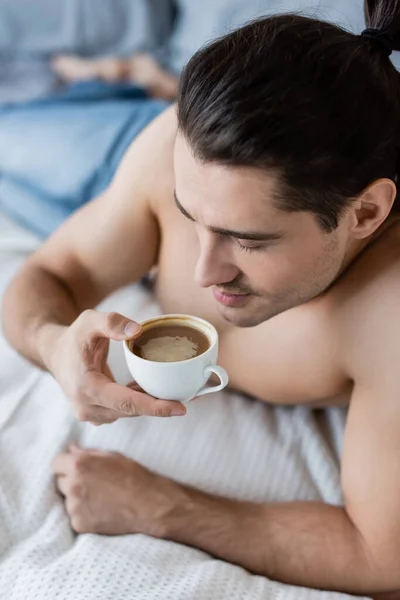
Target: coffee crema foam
column 170, row 343
column 169, row 349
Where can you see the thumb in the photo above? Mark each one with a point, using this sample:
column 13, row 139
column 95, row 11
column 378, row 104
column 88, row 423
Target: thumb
column 119, row 327
column 111, row 325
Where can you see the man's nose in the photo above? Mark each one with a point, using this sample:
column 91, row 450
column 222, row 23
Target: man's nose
column 213, row 266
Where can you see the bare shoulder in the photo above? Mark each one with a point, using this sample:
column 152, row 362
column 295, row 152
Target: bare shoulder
column 370, row 330
column 113, row 240
column 366, row 307
column 150, row 157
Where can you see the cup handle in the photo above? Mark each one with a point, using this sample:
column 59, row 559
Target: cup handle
column 223, row 377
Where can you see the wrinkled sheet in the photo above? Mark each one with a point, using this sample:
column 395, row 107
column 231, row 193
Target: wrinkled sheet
column 227, row 443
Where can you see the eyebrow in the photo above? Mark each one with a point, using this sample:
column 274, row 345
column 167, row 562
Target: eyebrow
column 256, row 236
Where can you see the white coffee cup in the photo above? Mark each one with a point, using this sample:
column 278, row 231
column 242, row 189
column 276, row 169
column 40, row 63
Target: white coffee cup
column 183, row 380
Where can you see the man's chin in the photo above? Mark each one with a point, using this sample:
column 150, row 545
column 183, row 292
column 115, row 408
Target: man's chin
column 240, row 317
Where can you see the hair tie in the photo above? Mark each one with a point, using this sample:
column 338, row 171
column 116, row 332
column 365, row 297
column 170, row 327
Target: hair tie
column 384, row 40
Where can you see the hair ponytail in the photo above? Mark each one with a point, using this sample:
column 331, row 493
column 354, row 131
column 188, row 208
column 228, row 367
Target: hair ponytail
column 384, row 15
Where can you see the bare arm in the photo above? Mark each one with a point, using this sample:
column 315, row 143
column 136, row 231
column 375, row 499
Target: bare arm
column 107, row 244
column 300, row 543
column 76, row 268
column 353, row 549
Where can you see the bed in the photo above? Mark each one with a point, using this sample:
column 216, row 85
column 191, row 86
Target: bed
column 227, row 444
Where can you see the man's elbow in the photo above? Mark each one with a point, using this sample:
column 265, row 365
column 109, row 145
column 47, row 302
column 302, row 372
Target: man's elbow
column 381, row 554
column 386, row 573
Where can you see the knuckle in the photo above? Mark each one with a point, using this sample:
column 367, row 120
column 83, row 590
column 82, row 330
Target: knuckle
column 111, row 319
column 87, row 313
column 82, row 413
column 80, row 464
column 85, row 316
column 81, row 391
column 159, row 411
column 88, row 348
column 127, row 406
column 78, row 524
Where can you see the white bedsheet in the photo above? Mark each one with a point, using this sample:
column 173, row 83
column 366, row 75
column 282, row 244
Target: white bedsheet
column 227, row 444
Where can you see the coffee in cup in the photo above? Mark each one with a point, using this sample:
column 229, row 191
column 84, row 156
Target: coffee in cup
column 174, row 357
column 170, row 343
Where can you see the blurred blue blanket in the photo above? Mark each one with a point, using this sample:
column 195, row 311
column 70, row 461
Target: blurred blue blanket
column 60, row 152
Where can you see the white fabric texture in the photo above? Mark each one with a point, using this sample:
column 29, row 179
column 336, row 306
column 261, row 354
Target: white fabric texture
column 227, row 444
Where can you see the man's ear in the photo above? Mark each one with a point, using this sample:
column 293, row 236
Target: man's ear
column 372, row 207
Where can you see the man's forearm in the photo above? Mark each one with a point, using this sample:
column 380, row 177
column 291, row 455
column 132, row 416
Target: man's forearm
column 301, row 543
column 35, row 305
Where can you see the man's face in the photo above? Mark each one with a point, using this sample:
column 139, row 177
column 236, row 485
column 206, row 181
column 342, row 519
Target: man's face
column 258, row 260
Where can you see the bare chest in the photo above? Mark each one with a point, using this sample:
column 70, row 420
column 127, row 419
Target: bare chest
column 291, row 358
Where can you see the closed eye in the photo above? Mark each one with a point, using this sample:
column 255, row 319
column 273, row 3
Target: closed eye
column 244, row 248
column 240, row 235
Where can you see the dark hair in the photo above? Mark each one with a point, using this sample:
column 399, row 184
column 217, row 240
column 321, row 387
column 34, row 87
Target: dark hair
column 316, row 104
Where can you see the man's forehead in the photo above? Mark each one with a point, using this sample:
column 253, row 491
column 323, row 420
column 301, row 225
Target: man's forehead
column 218, row 186
column 234, row 198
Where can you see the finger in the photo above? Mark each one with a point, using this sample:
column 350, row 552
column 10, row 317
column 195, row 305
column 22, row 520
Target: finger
column 92, row 451
column 62, row 484
column 98, row 415
column 75, row 448
column 128, row 402
column 99, row 421
column 108, row 373
column 62, row 464
column 112, row 325
column 135, row 387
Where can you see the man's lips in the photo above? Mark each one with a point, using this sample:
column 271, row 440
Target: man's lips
column 228, row 299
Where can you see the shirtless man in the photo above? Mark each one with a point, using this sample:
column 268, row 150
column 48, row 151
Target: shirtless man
column 269, row 208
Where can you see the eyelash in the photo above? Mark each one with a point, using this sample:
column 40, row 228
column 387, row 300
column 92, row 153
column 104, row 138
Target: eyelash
column 249, row 249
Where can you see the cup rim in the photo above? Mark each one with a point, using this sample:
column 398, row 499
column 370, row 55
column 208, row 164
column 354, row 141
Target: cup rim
column 175, row 316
